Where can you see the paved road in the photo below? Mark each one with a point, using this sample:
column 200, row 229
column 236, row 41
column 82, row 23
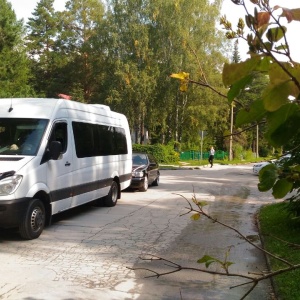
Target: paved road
column 86, row 253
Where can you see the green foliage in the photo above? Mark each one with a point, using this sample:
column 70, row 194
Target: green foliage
column 294, row 205
column 238, row 151
column 121, row 53
column 163, row 154
column 42, row 48
column 14, row 64
column 278, row 104
column 149, row 38
column 267, row 177
column 208, row 260
column 264, row 151
column 248, row 155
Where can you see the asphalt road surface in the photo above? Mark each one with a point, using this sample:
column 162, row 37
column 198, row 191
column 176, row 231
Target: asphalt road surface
column 89, row 252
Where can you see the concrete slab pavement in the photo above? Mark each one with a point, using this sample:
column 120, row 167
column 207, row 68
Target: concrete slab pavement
column 86, row 253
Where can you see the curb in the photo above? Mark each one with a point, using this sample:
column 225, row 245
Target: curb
column 274, row 287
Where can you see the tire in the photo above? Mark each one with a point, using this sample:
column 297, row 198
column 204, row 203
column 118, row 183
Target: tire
column 145, row 186
column 112, row 197
column 156, row 181
column 33, row 222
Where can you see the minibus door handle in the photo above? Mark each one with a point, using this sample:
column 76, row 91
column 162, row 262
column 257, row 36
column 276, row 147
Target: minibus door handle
column 67, row 164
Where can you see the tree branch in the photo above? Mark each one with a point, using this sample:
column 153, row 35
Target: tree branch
column 254, row 280
column 246, row 129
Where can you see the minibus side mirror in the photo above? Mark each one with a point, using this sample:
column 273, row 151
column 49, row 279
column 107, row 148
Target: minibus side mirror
column 55, row 149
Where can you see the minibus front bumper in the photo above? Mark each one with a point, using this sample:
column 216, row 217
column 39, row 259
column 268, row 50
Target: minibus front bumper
column 12, row 212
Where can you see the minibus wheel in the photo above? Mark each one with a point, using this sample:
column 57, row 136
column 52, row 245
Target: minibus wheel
column 112, row 197
column 33, row 221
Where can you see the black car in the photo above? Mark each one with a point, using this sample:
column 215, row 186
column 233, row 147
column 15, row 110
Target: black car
column 145, row 171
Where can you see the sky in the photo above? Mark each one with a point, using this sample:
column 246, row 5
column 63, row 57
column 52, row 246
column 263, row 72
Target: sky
column 234, row 12
column 24, row 9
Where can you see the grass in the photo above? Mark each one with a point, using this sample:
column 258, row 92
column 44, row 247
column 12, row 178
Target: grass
column 279, row 232
column 204, row 162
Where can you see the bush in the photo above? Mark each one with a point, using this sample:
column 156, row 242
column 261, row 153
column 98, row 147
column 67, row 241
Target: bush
column 163, row 153
column 248, row 155
column 264, row 152
column 238, row 151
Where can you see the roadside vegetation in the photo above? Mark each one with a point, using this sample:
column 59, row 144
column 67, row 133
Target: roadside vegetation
column 272, row 76
column 280, row 233
column 121, row 53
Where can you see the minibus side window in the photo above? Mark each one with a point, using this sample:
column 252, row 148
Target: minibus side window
column 60, row 134
column 120, row 141
column 98, row 140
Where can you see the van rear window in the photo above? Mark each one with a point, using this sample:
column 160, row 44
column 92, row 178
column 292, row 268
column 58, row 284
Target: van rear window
column 98, row 140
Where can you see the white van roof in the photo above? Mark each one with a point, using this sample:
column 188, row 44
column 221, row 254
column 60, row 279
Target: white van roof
column 28, row 107
column 46, row 108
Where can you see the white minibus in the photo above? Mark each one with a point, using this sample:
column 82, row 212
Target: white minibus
column 57, row 154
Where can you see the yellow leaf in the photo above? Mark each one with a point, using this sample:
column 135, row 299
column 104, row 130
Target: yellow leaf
column 127, row 80
column 183, row 86
column 195, row 217
column 184, row 80
column 181, row 75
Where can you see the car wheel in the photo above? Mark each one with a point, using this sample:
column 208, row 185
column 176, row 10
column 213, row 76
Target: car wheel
column 112, row 197
column 144, row 188
column 33, row 222
column 156, row 181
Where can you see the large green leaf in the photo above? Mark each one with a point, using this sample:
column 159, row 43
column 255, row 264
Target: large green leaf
column 282, row 124
column 238, row 86
column 281, row 188
column 276, row 118
column 232, row 73
column 276, row 33
column 277, row 74
column 283, row 72
column 276, row 95
column 208, row 260
column 267, row 177
column 256, row 113
column 286, row 131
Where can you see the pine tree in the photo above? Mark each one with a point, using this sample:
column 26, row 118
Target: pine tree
column 15, row 74
column 80, row 47
column 236, row 55
column 41, row 42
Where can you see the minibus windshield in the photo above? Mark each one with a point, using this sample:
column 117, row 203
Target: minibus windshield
column 21, row 136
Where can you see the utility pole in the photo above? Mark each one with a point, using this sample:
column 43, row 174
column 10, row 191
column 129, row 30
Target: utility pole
column 231, row 131
column 257, row 155
column 201, row 146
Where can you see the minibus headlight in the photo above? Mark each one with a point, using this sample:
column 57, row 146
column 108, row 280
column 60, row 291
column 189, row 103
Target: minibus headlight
column 137, row 174
column 9, row 185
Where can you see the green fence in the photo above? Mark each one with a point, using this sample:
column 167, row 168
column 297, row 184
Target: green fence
column 196, row 155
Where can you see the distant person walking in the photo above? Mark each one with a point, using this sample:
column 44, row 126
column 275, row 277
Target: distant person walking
column 211, row 156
